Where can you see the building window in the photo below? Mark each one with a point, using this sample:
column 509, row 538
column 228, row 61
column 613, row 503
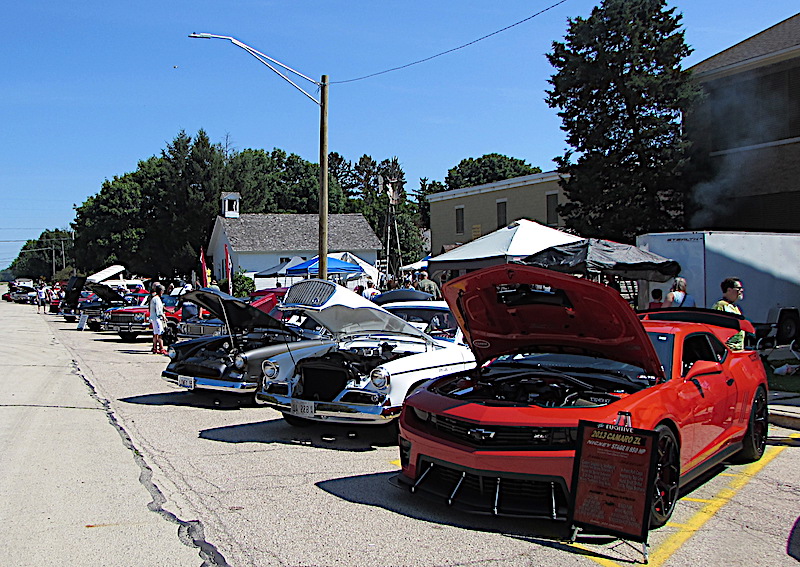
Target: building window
column 459, row 220
column 502, row 218
column 552, row 209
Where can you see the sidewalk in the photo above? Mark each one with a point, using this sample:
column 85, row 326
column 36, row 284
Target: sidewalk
column 784, row 409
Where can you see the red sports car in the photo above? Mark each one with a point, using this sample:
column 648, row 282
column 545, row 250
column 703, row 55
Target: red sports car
column 553, row 349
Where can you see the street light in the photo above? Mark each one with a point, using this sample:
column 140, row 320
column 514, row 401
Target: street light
column 323, row 136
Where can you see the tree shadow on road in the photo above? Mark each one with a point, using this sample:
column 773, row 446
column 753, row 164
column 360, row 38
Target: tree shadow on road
column 333, row 436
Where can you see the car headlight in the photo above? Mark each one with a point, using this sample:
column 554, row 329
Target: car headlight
column 138, row 317
column 240, row 361
column 270, row 369
column 171, row 353
column 379, row 378
column 421, row 415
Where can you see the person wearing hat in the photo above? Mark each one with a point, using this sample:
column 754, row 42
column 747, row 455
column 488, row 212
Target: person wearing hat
column 428, row 286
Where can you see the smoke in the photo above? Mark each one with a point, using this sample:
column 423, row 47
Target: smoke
column 737, row 119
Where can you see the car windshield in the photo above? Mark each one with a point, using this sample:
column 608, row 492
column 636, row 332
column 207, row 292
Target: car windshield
column 576, row 365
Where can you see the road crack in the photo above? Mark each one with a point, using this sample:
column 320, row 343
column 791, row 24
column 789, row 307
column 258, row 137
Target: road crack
column 190, row 532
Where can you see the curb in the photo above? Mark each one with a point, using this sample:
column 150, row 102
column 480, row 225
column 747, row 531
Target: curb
column 784, row 419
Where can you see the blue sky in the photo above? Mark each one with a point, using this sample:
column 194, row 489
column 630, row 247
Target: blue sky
column 90, row 88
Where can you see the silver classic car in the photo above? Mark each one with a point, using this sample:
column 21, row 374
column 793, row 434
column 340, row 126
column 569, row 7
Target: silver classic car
column 364, row 375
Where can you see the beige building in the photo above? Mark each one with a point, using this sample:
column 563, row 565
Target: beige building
column 461, row 215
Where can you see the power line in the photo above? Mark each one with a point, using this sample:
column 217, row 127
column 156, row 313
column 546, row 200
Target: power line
column 473, row 42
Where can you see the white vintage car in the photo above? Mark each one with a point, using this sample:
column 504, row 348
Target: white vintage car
column 375, row 361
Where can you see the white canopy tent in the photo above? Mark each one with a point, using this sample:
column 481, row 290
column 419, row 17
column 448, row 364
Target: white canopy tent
column 513, row 242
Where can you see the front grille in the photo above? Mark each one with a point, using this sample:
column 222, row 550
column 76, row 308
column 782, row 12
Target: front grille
column 321, row 384
column 311, row 293
column 200, row 330
column 201, row 369
column 501, row 494
column 506, row 436
column 122, row 318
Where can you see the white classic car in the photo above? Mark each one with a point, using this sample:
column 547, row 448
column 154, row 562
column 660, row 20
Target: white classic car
column 375, row 361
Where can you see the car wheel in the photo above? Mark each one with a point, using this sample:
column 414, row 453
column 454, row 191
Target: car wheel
column 755, row 440
column 94, row 326
column 788, row 326
column 667, row 477
column 295, row 421
column 128, row 337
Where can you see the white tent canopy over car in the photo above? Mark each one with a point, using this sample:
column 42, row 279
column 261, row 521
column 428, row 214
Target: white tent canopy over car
column 518, row 240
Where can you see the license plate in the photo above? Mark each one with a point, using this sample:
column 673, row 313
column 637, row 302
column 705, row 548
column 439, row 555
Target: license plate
column 186, row 382
column 302, row 408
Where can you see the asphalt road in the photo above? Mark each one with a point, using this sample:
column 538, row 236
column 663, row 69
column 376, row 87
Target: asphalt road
column 103, row 463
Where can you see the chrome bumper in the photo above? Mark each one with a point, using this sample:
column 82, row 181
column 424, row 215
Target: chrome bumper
column 246, row 387
column 126, row 327
column 341, row 412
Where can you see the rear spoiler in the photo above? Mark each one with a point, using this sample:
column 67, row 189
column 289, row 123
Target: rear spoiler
column 706, row 316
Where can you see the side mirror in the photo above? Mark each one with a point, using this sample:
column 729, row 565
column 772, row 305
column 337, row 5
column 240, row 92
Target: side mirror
column 702, row 368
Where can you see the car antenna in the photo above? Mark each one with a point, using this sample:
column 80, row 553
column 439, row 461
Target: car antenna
column 227, row 324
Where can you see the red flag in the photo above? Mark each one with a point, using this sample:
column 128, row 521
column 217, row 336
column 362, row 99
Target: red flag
column 228, row 270
column 203, row 268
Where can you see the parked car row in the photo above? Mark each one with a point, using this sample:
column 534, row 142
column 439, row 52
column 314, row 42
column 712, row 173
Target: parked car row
column 488, row 388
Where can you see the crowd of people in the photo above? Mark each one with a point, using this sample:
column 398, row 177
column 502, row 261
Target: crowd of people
column 417, row 280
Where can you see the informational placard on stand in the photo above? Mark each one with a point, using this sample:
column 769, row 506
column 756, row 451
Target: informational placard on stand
column 612, row 478
column 82, row 322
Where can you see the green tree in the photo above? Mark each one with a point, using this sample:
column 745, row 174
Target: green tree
column 621, row 93
column 49, row 256
column 242, row 285
column 486, row 169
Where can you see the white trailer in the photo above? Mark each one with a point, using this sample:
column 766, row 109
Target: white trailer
column 767, row 263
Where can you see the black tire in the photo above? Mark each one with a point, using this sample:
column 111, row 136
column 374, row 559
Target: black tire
column 667, row 478
column 295, row 421
column 755, row 440
column 94, row 326
column 128, row 337
column 788, row 326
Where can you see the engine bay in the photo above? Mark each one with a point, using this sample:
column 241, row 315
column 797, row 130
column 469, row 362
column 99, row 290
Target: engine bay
column 543, row 388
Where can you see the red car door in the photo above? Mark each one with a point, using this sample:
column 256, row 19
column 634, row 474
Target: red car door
column 711, row 394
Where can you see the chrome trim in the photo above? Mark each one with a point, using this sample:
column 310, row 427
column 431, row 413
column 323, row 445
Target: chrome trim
column 212, row 384
column 332, row 411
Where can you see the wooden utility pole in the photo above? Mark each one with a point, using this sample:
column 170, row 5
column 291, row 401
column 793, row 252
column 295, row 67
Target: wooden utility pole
column 323, row 179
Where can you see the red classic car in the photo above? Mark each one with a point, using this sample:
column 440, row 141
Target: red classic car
column 128, row 322
column 554, row 349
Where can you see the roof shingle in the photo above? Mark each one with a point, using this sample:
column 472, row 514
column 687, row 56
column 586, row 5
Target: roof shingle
column 277, row 232
column 781, row 36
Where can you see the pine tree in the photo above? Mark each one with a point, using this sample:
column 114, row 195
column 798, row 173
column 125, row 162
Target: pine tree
column 622, row 93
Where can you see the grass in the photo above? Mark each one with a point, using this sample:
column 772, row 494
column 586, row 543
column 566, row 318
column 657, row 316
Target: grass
column 789, row 383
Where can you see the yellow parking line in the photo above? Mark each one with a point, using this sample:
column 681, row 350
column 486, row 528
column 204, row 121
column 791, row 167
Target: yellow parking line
column 395, row 463
column 674, row 542
column 690, row 499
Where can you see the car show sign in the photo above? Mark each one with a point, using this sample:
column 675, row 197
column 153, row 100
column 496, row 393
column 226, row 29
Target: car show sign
column 612, row 479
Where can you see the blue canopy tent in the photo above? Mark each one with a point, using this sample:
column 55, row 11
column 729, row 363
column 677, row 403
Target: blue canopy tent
column 311, row 268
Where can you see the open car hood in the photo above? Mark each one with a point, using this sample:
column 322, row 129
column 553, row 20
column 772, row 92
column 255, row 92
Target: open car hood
column 105, row 293
column 343, row 312
column 514, row 308
column 237, row 313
